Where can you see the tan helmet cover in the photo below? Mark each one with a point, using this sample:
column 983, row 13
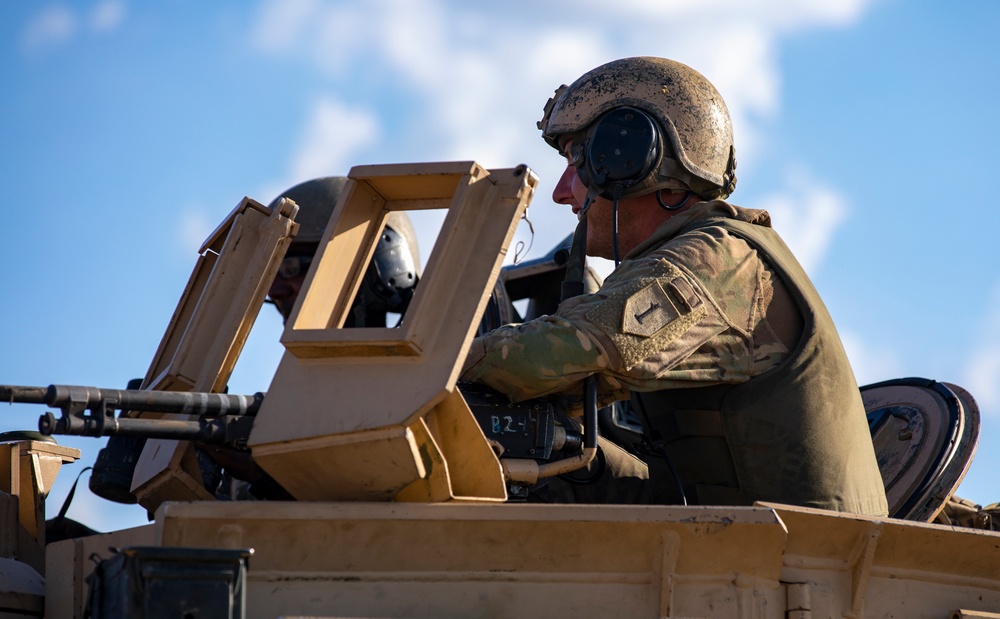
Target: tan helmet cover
column 687, row 106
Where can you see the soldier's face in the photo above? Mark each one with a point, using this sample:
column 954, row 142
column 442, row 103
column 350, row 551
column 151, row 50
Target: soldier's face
column 571, row 190
column 288, row 282
column 284, row 292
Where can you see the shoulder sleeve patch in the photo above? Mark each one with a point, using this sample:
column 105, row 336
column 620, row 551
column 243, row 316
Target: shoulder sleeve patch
column 649, row 316
column 651, row 309
column 648, row 311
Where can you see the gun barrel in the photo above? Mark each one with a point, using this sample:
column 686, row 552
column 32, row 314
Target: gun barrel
column 89, row 411
column 182, row 402
column 77, row 398
column 26, row 395
column 223, row 430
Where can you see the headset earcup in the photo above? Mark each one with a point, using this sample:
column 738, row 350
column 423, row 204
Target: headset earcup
column 621, row 149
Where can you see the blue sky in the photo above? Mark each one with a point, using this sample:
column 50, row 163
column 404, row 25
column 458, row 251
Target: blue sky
column 867, row 127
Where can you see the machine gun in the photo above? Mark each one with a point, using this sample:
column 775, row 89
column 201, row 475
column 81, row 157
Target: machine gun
column 223, row 420
column 523, row 431
column 378, row 444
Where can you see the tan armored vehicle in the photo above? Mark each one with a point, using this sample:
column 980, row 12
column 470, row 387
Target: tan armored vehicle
column 404, row 486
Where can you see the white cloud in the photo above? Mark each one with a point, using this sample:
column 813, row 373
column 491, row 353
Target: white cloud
column 467, row 66
column 807, row 215
column 280, row 26
column 58, row 25
column 52, row 27
column 792, row 15
column 415, row 38
column 982, row 373
column 786, row 14
column 339, row 39
column 460, row 81
column 333, row 136
column 329, row 35
column 107, row 16
column 332, row 139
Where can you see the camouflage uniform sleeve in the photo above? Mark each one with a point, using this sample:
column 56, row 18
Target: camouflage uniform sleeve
column 540, row 357
column 647, row 318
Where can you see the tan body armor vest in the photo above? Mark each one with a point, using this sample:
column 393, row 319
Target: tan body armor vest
column 796, row 434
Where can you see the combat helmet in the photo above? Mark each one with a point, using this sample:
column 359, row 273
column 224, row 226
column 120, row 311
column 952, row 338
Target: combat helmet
column 636, row 123
column 391, row 277
column 316, row 199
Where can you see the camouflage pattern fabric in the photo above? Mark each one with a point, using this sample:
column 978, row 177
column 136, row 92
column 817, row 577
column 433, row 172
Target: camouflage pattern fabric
column 959, row 512
column 677, row 312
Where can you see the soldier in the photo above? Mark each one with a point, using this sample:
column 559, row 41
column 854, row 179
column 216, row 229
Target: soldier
column 391, row 278
column 708, row 324
column 387, row 287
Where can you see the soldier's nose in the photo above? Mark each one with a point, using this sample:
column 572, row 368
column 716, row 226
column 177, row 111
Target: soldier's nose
column 563, row 193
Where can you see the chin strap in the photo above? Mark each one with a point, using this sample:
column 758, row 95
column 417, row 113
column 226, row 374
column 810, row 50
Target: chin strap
column 576, row 264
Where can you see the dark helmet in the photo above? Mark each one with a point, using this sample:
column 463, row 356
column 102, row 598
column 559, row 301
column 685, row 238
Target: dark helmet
column 316, row 199
column 640, row 123
column 389, row 282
